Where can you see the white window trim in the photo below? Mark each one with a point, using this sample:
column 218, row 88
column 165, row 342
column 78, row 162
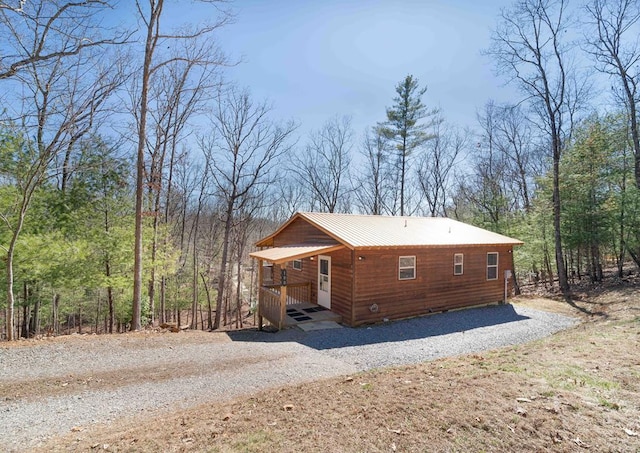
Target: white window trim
column 400, row 269
column 293, row 265
column 489, row 266
column 461, row 263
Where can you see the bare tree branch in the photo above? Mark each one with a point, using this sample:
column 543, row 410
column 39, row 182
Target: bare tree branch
column 44, row 32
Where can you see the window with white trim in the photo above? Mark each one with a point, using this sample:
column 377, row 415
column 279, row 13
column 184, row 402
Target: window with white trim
column 492, row 266
column 297, row 265
column 407, row 268
column 458, row 264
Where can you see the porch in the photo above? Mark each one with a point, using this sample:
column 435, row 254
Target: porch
column 289, row 305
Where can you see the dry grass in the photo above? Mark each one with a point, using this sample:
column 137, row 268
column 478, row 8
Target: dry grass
column 577, row 390
column 151, row 338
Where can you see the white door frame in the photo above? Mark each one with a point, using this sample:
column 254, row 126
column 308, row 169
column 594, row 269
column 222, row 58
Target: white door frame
column 324, row 282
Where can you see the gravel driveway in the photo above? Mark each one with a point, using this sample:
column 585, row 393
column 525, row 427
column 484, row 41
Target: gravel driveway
column 175, row 373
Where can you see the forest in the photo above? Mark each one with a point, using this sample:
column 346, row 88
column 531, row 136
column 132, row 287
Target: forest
column 135, row 178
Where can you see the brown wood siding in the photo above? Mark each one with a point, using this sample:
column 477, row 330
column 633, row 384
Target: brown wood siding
column 301, row 232
column 435, row 288
column 341, row 279
column 308, row 273
column 358, row 284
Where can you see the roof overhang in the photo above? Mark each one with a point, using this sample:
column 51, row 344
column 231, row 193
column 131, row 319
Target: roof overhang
column 279, row 255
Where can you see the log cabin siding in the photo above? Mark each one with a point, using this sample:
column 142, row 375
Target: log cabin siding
column 341, row 283
column 435, row 287
column 341, row 280
column 362, row 276
column 308, row 273
column 301, row 232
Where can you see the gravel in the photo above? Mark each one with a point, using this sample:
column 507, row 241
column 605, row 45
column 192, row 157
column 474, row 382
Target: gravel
column 251, row 361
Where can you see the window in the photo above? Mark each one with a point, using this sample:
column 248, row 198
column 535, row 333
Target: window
column 458, row 264
column 297, row 265
column 407, row 268
column 492, row 266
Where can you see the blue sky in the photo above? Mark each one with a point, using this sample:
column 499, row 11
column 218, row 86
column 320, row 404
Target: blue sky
column 316, row 59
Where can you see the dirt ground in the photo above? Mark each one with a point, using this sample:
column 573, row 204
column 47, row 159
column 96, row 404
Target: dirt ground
column 576, row 390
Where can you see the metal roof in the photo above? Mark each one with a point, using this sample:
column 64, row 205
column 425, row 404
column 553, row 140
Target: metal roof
column 360, row 231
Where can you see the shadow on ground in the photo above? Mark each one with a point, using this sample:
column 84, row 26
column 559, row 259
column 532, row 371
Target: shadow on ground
column 409, row 329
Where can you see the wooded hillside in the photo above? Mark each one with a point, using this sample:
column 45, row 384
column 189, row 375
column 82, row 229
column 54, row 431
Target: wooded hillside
column 135, row 177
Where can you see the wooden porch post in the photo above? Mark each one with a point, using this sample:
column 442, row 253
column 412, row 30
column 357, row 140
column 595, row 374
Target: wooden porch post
column 260, row 296
column 283, row 306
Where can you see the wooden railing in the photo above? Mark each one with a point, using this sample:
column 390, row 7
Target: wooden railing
column 275, row 298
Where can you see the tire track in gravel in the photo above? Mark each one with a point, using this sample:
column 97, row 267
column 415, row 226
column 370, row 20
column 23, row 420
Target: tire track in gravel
column 222, row 373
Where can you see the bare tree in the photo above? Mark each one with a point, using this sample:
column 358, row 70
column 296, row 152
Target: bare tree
column 617, row 53
column 246, row 146
column 529, row 46
column 435, row 168
column 324, row 167
column 178, row 91
column 484, row 189
column 183, row 213
column 61, row 97
column 152, row 16
column 202, row 198
column 289, row 197
column 520, row 148
column 43, row 32
column 373, row 184
column 508, row 159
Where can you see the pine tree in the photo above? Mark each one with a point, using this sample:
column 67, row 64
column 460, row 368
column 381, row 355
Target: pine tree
column 403, row 127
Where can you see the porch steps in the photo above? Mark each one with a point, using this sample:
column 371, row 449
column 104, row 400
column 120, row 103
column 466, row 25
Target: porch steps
column 304, row 313
column 318, row 325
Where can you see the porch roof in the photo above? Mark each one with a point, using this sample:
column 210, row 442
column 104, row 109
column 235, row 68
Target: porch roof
column 279, row 255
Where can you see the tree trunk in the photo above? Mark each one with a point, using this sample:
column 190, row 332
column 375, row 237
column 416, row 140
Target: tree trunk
column 194, row 280
column 150, row 44
column 223, row 264
column 621, row 232
column 107, row 271
column 80, row 319
column 97, row 320
column 56, row 320
column 152, row 291
column 547, row 265
column 163, row 299
column 206, row 290
column 10, row 321
column 111, row 310
column 239, row 293
column 24, row 331
column 560, row 263
column 34, row 329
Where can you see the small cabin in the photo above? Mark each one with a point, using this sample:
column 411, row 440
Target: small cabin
column 366, row 269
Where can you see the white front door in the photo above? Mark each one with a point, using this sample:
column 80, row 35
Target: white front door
column 324, row 281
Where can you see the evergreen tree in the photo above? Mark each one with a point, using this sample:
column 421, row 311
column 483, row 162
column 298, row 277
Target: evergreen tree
column 404, row 128
column 585, row 185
